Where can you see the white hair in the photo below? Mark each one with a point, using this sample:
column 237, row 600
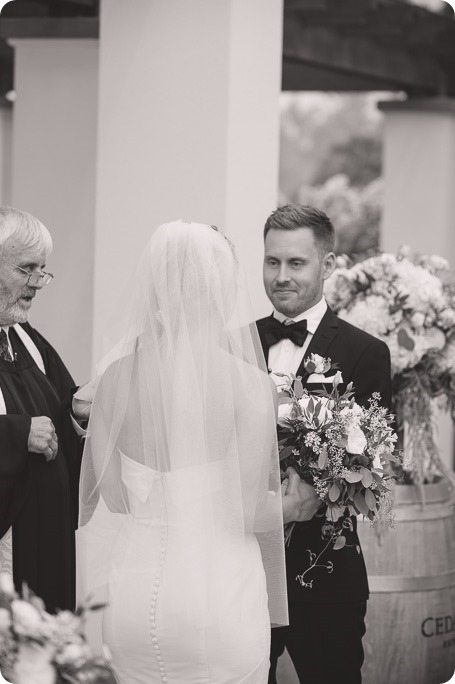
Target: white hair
column 25, row 228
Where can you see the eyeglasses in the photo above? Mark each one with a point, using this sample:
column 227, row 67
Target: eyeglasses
column 37, row 278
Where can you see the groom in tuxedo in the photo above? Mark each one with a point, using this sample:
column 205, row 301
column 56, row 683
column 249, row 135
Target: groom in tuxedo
column 327, row 588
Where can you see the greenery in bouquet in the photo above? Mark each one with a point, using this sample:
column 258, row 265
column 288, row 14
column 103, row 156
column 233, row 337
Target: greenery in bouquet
column 408, row 302
column 38, row 647
column 339, row 447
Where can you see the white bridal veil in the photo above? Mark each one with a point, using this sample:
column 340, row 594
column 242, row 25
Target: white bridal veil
column 182, row 426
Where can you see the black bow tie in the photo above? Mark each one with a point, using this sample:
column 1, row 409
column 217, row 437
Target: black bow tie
column 275, row 331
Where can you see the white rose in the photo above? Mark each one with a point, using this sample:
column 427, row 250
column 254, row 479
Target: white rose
column 5, row 621
column 321, row 365
column 356, row 441
column 7, row 584
column 439, row 263
column 447, row 318
column 26, row 618
column 72, row 653
column 284, row 412
column 418, row 319
column 33, row 665
column 435, row 339
column 325, row 413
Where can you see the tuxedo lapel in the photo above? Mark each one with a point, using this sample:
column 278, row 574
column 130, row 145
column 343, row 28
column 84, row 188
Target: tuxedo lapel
column 260, row 326
column 322, row 338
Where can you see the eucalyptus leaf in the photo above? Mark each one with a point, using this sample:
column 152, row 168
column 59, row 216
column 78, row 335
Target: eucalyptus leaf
column 353, row 476
column 286, row 452
column 298, row 388
column 404, row 340
column 339, row 543
column 370, row 500
column 334, row 492
column 361, row 504
column 322, row 459
column 367, row 477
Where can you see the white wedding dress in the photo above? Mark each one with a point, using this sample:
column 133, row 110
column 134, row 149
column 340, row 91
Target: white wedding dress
column 175, row 615
column 181, row 530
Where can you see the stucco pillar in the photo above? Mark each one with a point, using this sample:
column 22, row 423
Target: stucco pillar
column 419, row 202
column 53, row 177
column 188, row 128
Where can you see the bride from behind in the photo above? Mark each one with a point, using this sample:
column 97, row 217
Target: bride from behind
column 181, row 530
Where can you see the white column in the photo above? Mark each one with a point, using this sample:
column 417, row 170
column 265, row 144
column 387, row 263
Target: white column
column 419, row 202
column 419, row 171
column 6, row 133
column 188, row 128
column 54, row 148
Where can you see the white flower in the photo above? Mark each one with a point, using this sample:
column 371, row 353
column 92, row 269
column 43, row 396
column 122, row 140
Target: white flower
column 5, row 621
column 72, row 653
column 435, row 339
column 404, row 251
column 352, row 414
column 418, row 319
column 447, row 318
column 356, row 441
column 34, row 666
column 325, row 414
column 342, row 261
column 337, row 378
column 318, row 364
column 26, row 618
column 7, row 584
column 284, row 412
column 370, row 314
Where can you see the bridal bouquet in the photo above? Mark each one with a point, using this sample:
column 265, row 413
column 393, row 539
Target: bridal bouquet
column 407, row 302
column 339, row 447
column 42, row 648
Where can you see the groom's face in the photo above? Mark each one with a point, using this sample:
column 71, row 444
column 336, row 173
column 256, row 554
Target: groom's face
column 294, row 270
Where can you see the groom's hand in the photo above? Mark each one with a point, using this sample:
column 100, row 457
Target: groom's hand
column 300, row 501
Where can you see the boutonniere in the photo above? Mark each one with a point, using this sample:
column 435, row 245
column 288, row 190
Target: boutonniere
column 316, row 366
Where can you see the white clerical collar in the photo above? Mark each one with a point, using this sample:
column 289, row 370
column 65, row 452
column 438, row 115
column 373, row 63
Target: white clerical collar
column 313, row 316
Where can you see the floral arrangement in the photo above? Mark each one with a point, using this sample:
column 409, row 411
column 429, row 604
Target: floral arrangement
column 407, row 302
column 39, row 648
column 339, row 447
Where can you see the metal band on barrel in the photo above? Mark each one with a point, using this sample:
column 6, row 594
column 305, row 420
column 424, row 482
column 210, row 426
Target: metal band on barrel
column 402, row 583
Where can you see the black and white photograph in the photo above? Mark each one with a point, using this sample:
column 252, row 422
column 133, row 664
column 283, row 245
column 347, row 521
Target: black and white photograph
column 227, row 443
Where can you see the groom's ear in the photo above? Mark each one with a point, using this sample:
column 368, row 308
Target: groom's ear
column 329, row 265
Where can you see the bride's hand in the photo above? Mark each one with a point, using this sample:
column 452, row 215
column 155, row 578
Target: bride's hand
column 300, row 501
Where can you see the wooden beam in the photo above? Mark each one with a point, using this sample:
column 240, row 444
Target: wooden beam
column 359, row 55
column 49, row 27
column 299, row 76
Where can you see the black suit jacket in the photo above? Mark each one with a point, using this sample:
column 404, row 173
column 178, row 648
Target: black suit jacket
column 364, row 360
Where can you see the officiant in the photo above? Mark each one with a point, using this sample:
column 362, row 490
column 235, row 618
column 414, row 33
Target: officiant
column 39, row 450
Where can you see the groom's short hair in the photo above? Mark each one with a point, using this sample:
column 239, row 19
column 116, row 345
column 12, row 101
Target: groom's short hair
column 295, row 216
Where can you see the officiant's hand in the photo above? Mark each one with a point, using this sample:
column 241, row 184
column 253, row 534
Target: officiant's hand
column 82, row 400
column 42, row 438
column 300, row 501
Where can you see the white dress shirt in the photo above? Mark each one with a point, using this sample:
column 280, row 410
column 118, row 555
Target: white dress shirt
column 285, row 356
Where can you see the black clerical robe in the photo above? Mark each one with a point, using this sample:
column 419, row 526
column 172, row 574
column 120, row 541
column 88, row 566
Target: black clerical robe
column 38, row 497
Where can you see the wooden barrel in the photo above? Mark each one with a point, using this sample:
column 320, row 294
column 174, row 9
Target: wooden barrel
column 410, row 634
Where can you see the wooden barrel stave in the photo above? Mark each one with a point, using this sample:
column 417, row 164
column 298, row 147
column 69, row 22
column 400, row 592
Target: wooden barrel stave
column 411, row 612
